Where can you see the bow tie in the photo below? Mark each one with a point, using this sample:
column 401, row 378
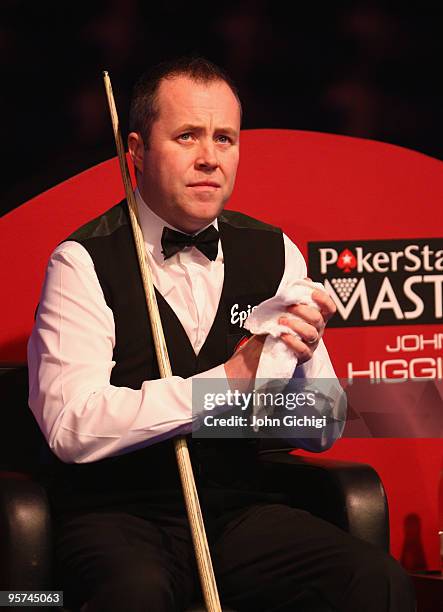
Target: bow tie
column 206, row 242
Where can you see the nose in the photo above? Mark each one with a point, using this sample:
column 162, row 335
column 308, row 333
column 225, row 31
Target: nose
column 207, row 159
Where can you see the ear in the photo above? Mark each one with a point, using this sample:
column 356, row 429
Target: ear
column 136, row 150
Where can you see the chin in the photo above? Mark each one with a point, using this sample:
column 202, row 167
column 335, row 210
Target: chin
column 204, row 212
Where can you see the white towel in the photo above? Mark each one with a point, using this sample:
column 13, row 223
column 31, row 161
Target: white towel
column 277, row 361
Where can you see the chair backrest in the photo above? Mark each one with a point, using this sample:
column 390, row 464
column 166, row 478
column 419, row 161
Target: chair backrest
column 22, row 445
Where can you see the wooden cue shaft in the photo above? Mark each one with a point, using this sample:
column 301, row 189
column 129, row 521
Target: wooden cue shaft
column 203, row 557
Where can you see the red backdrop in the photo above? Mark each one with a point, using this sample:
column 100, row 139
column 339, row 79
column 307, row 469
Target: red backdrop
column 317, row 187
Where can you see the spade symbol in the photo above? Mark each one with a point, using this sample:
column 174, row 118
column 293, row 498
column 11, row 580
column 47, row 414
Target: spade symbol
column 346, row 261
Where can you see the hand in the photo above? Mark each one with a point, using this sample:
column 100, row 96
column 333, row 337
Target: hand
column 311, row 326
column 242, row 366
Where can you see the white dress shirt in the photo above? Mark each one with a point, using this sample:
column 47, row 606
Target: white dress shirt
column 83, row 417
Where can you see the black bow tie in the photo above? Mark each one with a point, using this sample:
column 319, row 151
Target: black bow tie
column 206, row 242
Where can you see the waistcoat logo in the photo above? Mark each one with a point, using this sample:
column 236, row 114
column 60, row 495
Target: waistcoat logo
column 239, row 314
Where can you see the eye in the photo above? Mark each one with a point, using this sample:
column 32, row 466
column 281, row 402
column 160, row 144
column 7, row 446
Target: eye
column 185, row 137
column 223, row 139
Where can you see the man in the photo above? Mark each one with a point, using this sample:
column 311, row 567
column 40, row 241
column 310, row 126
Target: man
column 123, row 541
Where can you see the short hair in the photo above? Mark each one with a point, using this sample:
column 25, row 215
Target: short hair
column 144, row 108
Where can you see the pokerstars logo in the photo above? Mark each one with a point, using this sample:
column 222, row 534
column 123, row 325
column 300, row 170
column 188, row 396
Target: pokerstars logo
column 381, row 282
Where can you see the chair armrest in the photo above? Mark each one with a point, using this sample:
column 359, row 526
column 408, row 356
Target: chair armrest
column 349, row 495
column 25, row 530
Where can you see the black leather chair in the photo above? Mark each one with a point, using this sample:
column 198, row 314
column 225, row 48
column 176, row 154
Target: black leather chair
column 347, row 494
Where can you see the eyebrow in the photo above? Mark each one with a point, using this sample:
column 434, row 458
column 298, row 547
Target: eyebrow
column 189, row 127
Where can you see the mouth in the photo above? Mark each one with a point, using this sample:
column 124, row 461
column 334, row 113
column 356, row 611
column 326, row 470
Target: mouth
column 201, row 185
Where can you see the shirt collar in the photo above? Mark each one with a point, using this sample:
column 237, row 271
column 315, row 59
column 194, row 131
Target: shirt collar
column 152, row 227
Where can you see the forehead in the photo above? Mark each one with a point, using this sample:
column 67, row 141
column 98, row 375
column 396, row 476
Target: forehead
column 180, row 99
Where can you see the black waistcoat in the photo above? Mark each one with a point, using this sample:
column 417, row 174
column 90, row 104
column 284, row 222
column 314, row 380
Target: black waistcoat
column 224, row 469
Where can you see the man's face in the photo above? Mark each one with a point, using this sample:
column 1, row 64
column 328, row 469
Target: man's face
column 187, row 173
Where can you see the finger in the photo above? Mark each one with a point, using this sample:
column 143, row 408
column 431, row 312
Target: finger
column 308, row 333
column 325, row 303
column 301, row 350
column 309, row 314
